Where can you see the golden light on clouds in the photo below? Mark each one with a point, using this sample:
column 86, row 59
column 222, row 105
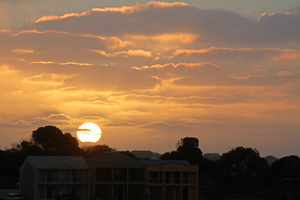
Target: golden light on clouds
column 166, row 37
column 22, row 51
column 157, row 70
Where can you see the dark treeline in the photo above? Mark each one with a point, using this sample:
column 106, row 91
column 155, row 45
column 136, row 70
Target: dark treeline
column 239, row 174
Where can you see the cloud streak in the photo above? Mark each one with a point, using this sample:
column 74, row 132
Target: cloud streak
column 154, row 72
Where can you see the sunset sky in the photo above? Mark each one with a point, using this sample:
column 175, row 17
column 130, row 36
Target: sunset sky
column 150, row 73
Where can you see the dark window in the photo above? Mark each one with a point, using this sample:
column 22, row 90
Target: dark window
column 74, row 176
column 155, row 177
column 177, row 177
column 104, row 174
column 136, row 175
column 49, row 176
column 136, row 192
column 49, row 193
column 169, row 193
column 104, row 192
column 120, row 174
column 168, row 177
column 155, row 193
column 120, row 192
column 185, row 177
column 185, row 194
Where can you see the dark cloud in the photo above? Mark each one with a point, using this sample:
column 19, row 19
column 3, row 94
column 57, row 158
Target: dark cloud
column 121, row 124
column 211, row 25
column 167, row 127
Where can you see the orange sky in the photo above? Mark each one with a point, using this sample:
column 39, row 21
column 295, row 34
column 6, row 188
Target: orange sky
column 151, row 73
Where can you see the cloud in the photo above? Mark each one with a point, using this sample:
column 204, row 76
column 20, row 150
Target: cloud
column 165, row 127
column 76, row 63
column 126, row 54
column 180, row 37
column 156, row 71
column 42, row 62
column 157, row 18
column 284, row 73
column 241, row 53
column 121, row 124
column 58, row 117
column 201, row 65
column 123, row 9
column 48, row 79
column 22, row 51
column 4, row 31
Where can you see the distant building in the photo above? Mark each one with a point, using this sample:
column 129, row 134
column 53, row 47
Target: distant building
column 108, row 176
column 116, row 176
column 171, row 179
column 212, row 156
column 146, row 155
column 270, row 159
column 47, row 177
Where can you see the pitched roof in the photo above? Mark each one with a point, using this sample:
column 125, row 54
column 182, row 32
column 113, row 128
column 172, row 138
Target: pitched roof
column 114, row 160
column 101, row 157
column 57, row 162
column 160, row 162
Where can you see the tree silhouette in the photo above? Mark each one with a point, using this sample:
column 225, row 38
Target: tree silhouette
column 90, row 151
column 54, row 142
column 282, row 167
column 242, row 169
column 187, row 149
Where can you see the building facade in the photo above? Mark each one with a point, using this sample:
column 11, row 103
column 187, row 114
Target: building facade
column 115, row 176
column 108, row 176
column 52, row 177
column 171, row 180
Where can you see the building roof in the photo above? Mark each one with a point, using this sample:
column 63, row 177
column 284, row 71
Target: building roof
column 142, row 154
column 57, row 162
column 101, row 157
column 160, row 162
column 114, row 160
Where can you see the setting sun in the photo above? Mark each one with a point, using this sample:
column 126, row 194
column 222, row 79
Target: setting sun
column 89, row 132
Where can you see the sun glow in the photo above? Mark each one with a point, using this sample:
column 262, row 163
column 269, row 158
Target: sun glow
column 89, row 132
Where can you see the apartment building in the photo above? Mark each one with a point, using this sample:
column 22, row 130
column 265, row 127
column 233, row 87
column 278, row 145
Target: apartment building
column 171, row 180
column 51, row 177
column 108, row 176
column 116, row 176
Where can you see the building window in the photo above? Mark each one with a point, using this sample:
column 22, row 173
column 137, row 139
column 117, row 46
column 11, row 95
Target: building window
column 74, row 191
column 155, row 193
column 155, row 177
column 136, row 192
column 74, row 176
column 185, row 193
column 48, row 192
column 169, row 193
column 136, row 175
column 168, row 177
column 177, row 177
column 103, row 192
column 104, row 174
column 48, row 176
column 120, row 174
column 185, row 177
column 120, row 192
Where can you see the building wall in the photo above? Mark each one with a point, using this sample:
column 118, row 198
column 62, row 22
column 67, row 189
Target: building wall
column 119, row 183
column 27, row 181
column 116, row 176
column 172, row 181
column 62, row 182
